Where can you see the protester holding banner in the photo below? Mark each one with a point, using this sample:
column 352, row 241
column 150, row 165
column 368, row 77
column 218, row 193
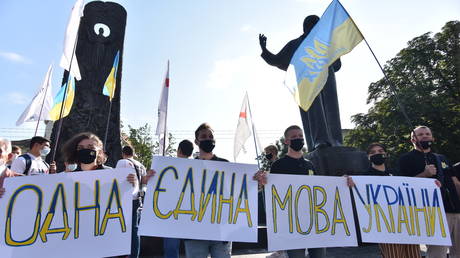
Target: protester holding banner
column 422, row 162
column 377, row 155
column 204, row 139
column 85, row 151
column 295, row 164
column 31, row 163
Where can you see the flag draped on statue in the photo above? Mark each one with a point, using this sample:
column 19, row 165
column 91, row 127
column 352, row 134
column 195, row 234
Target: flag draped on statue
column 59, row 100
column 163, row 113
column 39, row 108
column 69, row 59
column 111, row 82
column 333, row 36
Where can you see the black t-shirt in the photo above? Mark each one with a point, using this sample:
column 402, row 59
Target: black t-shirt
column 413, row 163
column 374, row 172
column 288, row 165
column 215, row 158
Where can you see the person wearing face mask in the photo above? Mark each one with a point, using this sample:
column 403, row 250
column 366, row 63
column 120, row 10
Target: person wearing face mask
column 32, row 162
column 204, row 138
column 377, row 155
column 295, row 164
column 423, row 162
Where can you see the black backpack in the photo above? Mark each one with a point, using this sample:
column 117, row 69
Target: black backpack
column 29, row 163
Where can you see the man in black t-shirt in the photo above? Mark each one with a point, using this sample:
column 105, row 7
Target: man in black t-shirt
column 422, row 162
column 295, row 164
column 204, row 138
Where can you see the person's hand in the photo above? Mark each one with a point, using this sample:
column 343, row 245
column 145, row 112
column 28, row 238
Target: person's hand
column 10, row 173
column 146, row 178
column 132, row 178
column 260, row 177
column 437, row 183
column 350, row 182
column 52, row 167
column 263, row 41
column 2, row 191
column 430, row 170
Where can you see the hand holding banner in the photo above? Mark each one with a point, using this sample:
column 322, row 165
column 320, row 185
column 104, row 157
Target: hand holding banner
column 198, row 199
column 308, row 211
column 80, row 214
column 402, row 210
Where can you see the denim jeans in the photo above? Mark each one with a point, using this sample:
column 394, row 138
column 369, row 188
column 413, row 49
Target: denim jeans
column 135, row 239
column 171, row 247
column 201, row 249
column 312, row 253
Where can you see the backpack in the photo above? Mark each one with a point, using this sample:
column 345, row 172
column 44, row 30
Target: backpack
column 29, row 163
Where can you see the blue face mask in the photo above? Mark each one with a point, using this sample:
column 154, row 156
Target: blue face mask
column 72, row 167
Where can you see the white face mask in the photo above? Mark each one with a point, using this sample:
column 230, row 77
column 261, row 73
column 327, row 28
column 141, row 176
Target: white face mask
column 72, row 167
column 45, row 151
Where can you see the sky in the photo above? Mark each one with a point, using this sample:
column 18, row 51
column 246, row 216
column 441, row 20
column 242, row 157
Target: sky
column 214, row 55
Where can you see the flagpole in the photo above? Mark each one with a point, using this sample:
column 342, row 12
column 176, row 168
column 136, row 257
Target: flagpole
column 253, row 133
column 58, row 134
column 166, row 117
column 392, row 87
column 107, row 125
column 43, row 103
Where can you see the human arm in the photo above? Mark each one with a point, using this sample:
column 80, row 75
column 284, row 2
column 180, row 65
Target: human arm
column 19, row 165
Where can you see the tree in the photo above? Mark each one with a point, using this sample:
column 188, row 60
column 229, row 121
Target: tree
column 426, row 77
column 141, row 139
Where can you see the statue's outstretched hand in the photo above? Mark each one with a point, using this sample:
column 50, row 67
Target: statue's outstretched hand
column 263, row 41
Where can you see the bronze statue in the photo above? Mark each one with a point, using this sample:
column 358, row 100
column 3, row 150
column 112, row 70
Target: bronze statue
column 322, row 121
column 100, row 36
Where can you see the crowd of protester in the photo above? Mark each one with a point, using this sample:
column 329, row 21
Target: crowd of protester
column 85, row 152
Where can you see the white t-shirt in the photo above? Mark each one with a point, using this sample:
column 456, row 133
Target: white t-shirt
column 125, row 163
column 37, row 166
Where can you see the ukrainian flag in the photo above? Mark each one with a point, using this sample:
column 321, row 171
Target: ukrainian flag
column 59, row 100
column 334, row 35
column 111, row 82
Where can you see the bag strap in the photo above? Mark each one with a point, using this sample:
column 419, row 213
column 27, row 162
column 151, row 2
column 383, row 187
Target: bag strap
column 28, row 160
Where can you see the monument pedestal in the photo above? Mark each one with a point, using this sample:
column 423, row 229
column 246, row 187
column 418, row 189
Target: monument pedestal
column 338, row 161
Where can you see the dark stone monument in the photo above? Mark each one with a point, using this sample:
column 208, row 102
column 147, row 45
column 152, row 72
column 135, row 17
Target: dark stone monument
column 321, row 123
column 100, row 36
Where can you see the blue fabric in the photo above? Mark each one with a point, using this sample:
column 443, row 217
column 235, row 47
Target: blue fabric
column 135, row 239
column 171, row 247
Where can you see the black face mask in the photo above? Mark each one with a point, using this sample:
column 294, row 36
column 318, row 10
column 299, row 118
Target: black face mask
column 378, row 159
column 296, row 144
column 269, row 156
column 425, row 144
column 86, row 156
column 207, row 145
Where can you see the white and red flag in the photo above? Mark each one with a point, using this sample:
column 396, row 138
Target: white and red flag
column 243, row 130
column 163, row 113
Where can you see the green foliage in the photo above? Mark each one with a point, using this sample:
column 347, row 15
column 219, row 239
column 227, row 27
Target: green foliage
column 141, row 139
column 426, row 76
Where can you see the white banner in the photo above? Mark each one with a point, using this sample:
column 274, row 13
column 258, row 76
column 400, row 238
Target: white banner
column 79, row 214
column 308, row 212
column 401, row 210
column 197, row 199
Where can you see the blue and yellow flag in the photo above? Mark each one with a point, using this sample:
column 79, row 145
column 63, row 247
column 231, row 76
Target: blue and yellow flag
column 111, row 82
column 334, row 35
column 59, row 101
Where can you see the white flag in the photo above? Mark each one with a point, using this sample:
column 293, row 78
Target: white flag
column 242, row 130
column 41, row 104
column 163, row 112
column 71, row 39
